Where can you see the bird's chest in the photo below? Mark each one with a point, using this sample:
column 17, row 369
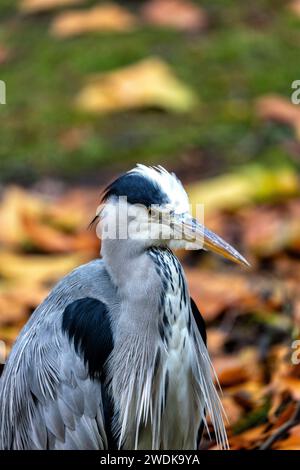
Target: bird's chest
column 177, row 365
column 152, row 372
column 174, row 317
column 174, row 326
column 174, row 329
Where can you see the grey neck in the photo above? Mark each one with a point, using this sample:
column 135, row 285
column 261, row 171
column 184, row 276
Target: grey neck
column 139, row 286
column 123, row 260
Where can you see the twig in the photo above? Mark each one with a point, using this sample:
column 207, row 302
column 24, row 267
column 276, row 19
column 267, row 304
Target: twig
column 293, row 421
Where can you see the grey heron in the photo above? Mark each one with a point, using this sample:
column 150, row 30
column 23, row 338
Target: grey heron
column 115, row 357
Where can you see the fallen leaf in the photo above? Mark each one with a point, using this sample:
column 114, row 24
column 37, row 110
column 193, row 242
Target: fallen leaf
column 53, row 226
column 107, row 17
column 233, row 370
column 145, row 84
column 11, row 311
column 86, row 242
column 275, row 229
column 36, row 6
column 37, row 268
column 8, row 333
column 73, row 212
column 247, row 439
column 252, row 184
column 15, row 203
column 283, row 417
column 232, row 410
column 230, row 371
column 215, row 292
column 291, row 384
column 296, row 312
column 292, row 442
column 215, row 340
column 51, row 240
column 294, row 6
column 28, row 297
column 179, row 14
column 46, row 238
column 277, row 108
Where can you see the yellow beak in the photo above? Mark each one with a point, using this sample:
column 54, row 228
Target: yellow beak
column 201, row 237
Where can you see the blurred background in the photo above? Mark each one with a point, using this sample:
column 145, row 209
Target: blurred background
column 204, row 88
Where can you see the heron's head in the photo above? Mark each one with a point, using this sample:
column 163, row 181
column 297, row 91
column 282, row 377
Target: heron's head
column 149, row 206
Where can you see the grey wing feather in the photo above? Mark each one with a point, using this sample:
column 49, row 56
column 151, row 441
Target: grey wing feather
column 47, row 399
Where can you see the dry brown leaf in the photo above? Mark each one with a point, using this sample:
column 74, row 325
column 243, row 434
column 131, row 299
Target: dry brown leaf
column 283, row 417
column 274, row 230
column 219, row 292
column 29, row 297
column 247, row 439
column 11, row 310
column 288, row 268
column 145, row 84
column 51, row 226
column 35, row 6
column 252, row 390
column 70, row 213
column 230, row 370
column 8, row 333
column 31, row 269
column 179, row 14
column 233, row 410
column 290, row 443
column 51, row 240
column 86, row 242
column 277, row 108
column 215, row 292
column 296, row 312
column 215, row 340
column 73, row 212
column 292, row 385
column 15, row 203
column 46, row 238
column 294, row 6
column 235, row 370
column 285, row 378
column 253, row 183
column 107, row 17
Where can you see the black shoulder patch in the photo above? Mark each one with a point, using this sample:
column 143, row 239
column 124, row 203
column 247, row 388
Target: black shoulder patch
column 138, row 189
column 86, row 322
column 199, row 320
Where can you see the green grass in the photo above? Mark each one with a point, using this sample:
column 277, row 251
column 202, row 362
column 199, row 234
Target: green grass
column 250, row 49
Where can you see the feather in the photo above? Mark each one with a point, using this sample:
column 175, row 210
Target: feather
column 46, row 394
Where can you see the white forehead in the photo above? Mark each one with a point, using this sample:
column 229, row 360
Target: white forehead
column 169, row 183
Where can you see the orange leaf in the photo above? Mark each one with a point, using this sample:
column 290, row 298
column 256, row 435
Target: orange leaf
column 276, row 108
column 107, row 17
column 294, row 6
column 180, row 14
column 290, row 443
column 230, row 371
